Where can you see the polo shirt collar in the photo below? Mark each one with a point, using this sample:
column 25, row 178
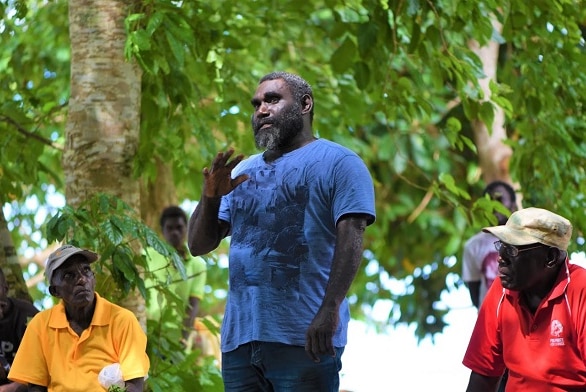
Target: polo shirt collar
column 101, row 317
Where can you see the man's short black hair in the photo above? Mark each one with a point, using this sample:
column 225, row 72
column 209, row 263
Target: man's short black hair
column 491, row 188
column 298, row 86
column 172, row 212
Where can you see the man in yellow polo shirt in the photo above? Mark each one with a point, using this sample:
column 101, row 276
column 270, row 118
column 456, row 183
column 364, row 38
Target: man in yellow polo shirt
column 164, row 275
column 65, row 348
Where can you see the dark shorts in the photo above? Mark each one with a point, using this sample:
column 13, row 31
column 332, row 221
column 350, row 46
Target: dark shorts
column 277, row 367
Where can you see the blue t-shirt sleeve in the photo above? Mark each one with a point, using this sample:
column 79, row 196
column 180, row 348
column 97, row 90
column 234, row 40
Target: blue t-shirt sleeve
column 353, row 189
column 224, row 213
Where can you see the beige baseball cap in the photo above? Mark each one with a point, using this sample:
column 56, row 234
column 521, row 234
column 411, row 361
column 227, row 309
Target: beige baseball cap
column 534, row 225
column 60, row 256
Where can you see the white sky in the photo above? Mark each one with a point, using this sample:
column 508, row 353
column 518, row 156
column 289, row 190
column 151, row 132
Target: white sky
column 395, row 362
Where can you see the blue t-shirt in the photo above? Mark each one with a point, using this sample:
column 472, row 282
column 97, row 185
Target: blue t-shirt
column 283, row 222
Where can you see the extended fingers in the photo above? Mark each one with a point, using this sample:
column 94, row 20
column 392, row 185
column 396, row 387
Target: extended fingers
column 222, row 158
column 237, row 159
column 238, row 180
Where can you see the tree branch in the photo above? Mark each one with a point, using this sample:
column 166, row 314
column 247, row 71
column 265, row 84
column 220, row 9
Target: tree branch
column 27, row 133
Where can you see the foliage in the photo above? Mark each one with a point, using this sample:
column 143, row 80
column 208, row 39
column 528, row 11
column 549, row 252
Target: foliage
column 35, row 70
column 106, row 223
column 175, row 368
column 394, row 81
column 386, row 74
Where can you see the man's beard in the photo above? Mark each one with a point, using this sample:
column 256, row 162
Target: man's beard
column 281, row 131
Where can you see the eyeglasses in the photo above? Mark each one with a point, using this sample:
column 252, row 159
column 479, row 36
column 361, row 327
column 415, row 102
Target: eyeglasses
column 511, row 250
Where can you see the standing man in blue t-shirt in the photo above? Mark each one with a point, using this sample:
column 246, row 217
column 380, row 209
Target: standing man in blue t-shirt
column 296, row 215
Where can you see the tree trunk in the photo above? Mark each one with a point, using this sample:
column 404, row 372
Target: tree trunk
column 157, row 194
column 102, row 129
column 493, row 154
column 9, row 263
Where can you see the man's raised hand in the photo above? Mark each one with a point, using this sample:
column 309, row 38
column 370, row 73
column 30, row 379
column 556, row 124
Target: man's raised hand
column 218, row 180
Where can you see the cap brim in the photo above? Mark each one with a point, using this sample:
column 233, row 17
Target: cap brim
column 511, row 236
column 89, row 255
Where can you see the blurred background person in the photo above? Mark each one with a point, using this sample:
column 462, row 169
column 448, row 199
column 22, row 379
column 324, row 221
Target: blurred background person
column 14, row 317
column 479, row 263
column 164, row 274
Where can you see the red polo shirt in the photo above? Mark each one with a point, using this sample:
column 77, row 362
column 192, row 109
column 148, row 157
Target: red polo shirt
column 545, row 351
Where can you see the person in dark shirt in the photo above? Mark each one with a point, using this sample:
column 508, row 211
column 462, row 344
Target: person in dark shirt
column 14, row 316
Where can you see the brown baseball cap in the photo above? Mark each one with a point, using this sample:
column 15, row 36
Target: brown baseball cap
column 60, row 256
column 534, row 225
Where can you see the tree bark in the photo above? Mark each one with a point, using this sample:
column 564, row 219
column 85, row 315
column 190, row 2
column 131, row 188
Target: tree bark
column 157, row 194
column 493, row 154
column 9, row 263
column 102, row 130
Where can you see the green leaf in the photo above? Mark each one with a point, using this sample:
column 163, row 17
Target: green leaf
column 415, row 36
column 487, row 114
column 123, row 261
column 141, row 39
column 362, row 74
column 154, row 22
column 178, row 263
column 344, row 55
column 113, row 232
column 176, row 48
column 51, row 229
column 448, row 181
column 367, row 38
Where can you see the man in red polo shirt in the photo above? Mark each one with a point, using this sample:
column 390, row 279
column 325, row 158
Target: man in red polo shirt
column 533, row 319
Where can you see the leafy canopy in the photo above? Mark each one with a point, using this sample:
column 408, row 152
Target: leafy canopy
column 394, row 81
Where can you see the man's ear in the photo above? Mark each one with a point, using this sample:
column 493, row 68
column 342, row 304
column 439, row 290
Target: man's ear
column 307, row 104
column 53, row 291
column 554, row 256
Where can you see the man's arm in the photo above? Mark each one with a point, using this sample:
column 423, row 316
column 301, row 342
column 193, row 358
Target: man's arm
column 205, row 230
column 13, row 387
column 134, row 385
column 347, row 258
column 190, row 315
column 480, row 383
column 36, row 388
column 474, row 289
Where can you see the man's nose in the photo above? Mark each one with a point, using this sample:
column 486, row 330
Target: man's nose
column 81, row 276
column 263, row 109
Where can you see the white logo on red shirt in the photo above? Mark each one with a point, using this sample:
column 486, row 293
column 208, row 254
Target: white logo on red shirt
column 556, row 330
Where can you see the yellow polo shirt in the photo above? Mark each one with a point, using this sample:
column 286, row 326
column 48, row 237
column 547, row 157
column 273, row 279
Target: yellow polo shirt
column 51, row 354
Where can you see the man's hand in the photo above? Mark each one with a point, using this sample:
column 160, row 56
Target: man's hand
column 134, row 385
column 217, row 180
column 320, row 334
